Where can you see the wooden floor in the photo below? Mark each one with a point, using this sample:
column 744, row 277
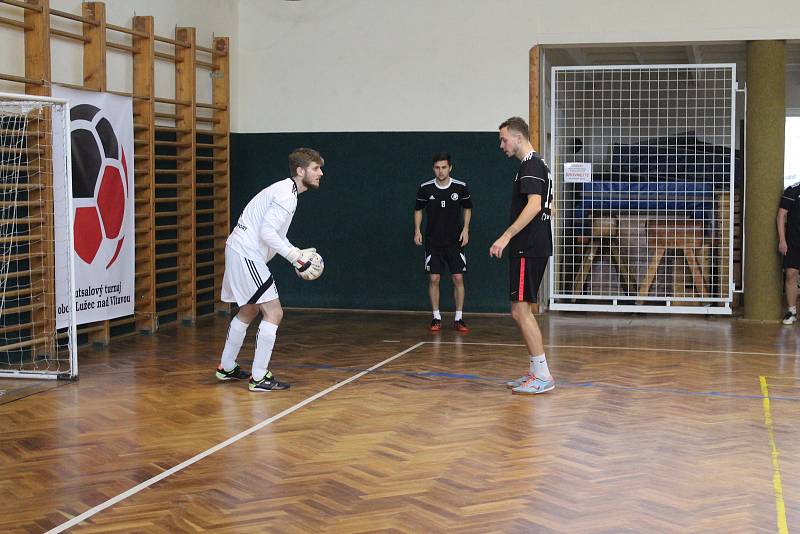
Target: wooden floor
column 656, row 425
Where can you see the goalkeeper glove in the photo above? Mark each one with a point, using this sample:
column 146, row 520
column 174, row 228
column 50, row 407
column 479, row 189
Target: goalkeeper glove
column 300, row 258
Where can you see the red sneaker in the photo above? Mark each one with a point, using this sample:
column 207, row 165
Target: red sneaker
column 435, row 325
column 461, row 326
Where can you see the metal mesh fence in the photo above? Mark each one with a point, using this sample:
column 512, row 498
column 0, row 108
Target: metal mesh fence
column 643, row 166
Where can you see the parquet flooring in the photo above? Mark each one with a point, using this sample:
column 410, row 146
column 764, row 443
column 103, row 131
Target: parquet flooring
column 656, row 425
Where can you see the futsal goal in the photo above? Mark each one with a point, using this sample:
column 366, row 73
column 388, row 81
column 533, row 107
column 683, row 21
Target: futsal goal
column 37, row 322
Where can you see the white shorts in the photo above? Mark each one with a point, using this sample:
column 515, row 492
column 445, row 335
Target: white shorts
column 246, row 281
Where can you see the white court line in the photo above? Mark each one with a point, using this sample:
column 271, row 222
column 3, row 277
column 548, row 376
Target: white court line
column 194, row 459
column 698, row 351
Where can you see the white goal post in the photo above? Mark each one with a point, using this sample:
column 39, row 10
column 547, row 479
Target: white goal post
column 37, row 340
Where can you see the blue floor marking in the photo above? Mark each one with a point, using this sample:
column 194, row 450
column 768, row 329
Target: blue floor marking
column 560, row 383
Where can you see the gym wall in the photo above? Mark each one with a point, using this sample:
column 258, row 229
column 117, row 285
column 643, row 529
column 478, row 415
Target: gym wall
column 379, row 72
column 448, row 65
column 210, row 17
column 377, row 87
column 181, row 109
column 360, row 219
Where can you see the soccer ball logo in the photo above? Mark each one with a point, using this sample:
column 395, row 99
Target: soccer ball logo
column 100, row 186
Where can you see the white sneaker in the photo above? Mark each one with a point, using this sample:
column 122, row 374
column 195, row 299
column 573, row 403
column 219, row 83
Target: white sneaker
column 534, row 386
column 790, row 317
column 511, row 384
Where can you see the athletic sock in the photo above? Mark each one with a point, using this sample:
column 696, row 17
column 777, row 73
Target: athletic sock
column 539, row 366
column 265, row 341
column 236, row 332
column 458, row 315
column 437, row 315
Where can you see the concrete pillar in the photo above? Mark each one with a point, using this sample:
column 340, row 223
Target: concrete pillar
column 766, row 121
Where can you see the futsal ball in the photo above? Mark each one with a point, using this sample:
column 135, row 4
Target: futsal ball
column 100, row 186
column 312, row 269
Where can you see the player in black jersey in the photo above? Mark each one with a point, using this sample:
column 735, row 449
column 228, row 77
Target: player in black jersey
column 789, row 246
column 446, row 235
column 530, row 245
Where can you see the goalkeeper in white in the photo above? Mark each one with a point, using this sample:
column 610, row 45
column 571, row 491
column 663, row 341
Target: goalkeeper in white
column 260, row 234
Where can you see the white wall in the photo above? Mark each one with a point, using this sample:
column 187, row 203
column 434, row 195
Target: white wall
column 456, row 65
column 397, row 65
column 210, row 17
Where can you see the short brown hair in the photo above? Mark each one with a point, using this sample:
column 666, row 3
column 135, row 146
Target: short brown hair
column 303, row 157
column 442, row 156
column 516, row 124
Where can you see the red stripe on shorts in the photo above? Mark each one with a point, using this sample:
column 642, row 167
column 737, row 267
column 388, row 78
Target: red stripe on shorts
column 520, row 296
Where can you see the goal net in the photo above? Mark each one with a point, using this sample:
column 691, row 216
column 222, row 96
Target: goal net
column 37, row 324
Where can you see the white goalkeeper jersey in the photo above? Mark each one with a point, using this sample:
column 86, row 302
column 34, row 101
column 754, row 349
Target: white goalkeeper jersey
column 261, row 230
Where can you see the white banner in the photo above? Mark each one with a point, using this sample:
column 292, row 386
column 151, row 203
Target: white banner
column 577, row 172
column 101, row 127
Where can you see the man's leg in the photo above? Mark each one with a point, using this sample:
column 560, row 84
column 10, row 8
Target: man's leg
column 433, row 294
column 237, row 330
column 458, row 297
column 526, row 276
column 262, row 379
column 526, row 321
column 458, row 291
column 538, row 379
column 790, row 288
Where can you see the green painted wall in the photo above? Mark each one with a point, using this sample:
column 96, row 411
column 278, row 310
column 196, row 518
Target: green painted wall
column 360, row 219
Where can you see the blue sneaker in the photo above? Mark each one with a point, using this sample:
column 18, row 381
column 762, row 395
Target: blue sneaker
column 534, row 385
column 511, row 384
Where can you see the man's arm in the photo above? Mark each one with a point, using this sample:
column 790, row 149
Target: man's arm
column 274, row 219
column 531, row 210
column 781, row 222
column 464, row 237
column 417, row 226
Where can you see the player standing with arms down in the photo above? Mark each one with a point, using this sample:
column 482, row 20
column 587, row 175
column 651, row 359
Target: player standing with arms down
column 530, row 244
column 788, row 221
column 443, row 199
column 259, row 234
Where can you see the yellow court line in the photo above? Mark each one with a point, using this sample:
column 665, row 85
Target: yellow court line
column 780, row 507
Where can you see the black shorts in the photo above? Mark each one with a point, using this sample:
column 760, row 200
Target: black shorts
column 524, row 277
column 792, row 258
column 454, row 258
